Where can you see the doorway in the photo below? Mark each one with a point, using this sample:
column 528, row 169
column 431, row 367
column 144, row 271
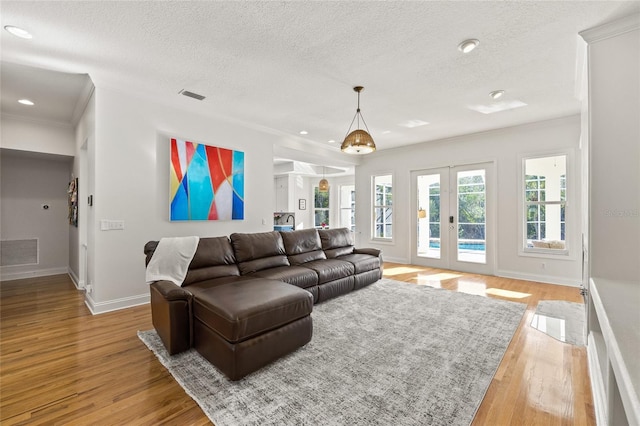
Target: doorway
column 453, row 215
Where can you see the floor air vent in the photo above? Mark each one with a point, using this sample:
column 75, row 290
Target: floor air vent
column 19, row 252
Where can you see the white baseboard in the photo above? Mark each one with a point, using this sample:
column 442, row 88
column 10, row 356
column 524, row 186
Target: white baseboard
column 401, row 260
column 10, row 276
column 597, row 383
column 76, row 281
column 547, row 279
column 116, row 304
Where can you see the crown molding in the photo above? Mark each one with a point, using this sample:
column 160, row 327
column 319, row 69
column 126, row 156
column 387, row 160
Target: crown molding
column 83, row 101
column 611, row 29
column 39, row 121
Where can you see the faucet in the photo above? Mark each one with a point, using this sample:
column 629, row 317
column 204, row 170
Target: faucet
column 290, row 216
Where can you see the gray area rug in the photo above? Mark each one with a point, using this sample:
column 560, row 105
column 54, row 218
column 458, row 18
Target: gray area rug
column 564, row 321
column 390, row 354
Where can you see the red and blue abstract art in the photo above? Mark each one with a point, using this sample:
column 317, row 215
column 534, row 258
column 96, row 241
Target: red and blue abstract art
column 207, row 182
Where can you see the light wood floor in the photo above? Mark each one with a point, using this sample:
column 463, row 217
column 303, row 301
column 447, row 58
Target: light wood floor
column 61, row 365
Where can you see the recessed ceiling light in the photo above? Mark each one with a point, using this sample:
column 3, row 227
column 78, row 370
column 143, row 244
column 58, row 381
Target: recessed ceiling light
column 386, row 132
column 18, row 32
column 496, row 94
column 413, row 123
column 304, row 132
column 497, row 106
column 468, row 45
column 26, row 102
column 332, row 141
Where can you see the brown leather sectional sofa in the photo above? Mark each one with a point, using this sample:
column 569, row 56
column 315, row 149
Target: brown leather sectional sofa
column 247, row 299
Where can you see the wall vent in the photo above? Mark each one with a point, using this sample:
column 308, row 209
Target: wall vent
column 19, row 252
column 191, row 94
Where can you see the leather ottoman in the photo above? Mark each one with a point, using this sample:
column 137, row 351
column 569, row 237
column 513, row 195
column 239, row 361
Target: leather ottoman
column 241, row 327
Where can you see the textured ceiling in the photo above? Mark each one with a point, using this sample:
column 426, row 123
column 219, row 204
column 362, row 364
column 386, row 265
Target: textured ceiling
column 291, row 66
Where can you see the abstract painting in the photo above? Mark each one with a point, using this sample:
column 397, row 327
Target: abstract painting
column 207, row 182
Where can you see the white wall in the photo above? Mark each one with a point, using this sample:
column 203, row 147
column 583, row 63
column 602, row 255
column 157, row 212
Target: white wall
column 505, row 147
column 28, row 182
column 300, row 190
column 83, row 166
column 614, row 105
column 131, row 183
column 289, row 189
column 27, row 135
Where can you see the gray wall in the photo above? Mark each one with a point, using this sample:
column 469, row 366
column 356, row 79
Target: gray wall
column 27, row 182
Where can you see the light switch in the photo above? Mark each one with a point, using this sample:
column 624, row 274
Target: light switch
column 111, row 225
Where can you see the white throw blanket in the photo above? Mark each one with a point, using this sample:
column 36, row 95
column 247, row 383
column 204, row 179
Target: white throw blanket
column 171, row 259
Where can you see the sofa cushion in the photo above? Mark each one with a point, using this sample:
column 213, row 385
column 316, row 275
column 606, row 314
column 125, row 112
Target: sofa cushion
column 336, row 242
column 258, row 251
column 238, row 311
column 196, row 288
column 330, row 269
column 214, row 258
column 362, row 262
column 302, row 246
column 296, row 275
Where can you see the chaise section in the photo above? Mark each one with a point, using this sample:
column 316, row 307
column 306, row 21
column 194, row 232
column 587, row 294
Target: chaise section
column 213, row 264
column 240, row 327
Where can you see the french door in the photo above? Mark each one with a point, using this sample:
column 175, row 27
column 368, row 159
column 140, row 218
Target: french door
column 453, row 216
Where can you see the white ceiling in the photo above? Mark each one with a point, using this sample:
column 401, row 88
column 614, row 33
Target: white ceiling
column 291, row 66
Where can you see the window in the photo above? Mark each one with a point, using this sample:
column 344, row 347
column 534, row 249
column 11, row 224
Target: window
column 320, row 208
column 348, row 207
column 383, row 206
column 545, row 200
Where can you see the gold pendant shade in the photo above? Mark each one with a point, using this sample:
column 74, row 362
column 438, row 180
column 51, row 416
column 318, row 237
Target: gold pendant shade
column 323, row 185
column 359, row 141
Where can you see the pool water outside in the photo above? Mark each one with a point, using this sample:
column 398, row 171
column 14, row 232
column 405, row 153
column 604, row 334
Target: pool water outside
column 479, row 246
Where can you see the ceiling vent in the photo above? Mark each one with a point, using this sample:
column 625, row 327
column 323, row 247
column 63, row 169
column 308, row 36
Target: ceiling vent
column 191, row 94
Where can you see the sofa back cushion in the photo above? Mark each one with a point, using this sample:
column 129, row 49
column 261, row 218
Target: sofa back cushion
column 258, row 251
column 302, row 246
column 214, row 258
column 336, row 242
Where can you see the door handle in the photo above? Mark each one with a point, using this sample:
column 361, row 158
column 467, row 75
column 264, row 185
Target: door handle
column 450, row 219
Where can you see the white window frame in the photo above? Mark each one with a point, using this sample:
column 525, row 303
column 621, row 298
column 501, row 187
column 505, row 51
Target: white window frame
column 328, row 209
column 351, row 207
column 374, row 237
column 570, row 218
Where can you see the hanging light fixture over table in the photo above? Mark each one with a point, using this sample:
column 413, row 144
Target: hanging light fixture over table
column 359, row 141
column 323, row 185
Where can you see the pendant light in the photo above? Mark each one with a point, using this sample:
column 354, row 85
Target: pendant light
column 359, row 141
column 323, row 185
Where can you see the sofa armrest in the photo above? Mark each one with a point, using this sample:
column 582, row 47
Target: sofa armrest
column 171, row 315
column 370, row 251
column 170, row 291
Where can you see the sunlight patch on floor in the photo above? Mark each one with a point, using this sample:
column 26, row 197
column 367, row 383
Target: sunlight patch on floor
column 399, row 270
column 507, row 293
column 434, row 280
column 471, row 287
